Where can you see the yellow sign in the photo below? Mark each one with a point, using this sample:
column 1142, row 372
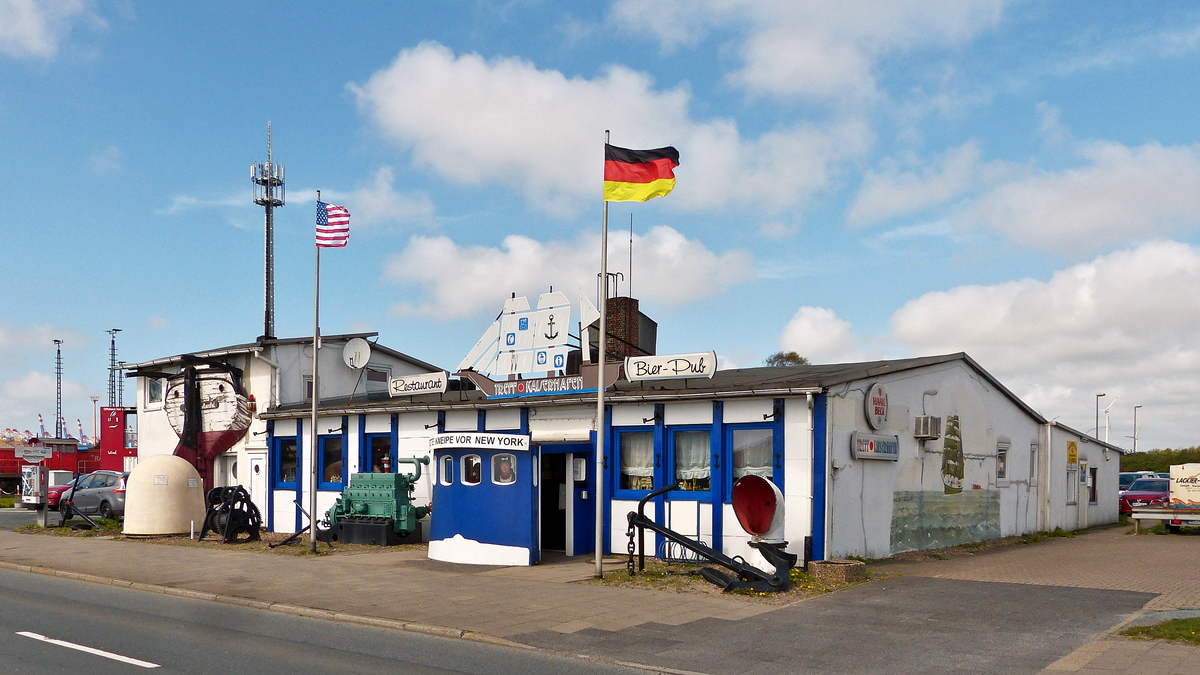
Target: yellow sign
column 1072, row 452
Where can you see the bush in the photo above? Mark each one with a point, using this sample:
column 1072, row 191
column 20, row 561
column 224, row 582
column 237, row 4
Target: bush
column 1159, row 461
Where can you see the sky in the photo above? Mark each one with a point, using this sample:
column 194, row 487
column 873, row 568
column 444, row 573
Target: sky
column 857, row 180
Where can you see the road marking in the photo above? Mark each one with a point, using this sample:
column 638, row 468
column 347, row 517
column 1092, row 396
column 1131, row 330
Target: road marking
column 89, row 650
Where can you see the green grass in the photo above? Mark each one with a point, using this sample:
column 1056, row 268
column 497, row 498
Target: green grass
column 1187, row 630
column 7, row 502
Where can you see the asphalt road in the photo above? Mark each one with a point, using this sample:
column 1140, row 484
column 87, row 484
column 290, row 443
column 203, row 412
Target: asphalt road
column 45, row 621
column 11, row 519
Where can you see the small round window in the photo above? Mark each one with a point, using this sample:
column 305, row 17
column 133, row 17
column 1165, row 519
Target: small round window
column 504, row 469
column 472, row 469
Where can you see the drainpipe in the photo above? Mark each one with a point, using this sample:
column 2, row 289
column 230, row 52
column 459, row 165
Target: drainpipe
column 1044, row 487
column 274, row 387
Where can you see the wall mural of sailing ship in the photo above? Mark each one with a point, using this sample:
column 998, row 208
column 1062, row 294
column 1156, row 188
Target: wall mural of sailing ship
column 209, row 411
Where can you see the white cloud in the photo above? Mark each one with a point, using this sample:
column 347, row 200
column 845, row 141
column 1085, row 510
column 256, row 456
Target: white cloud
column 34, row 29
column 1050, row 124
column 668, row 269
column 1124, row 323
column 1123, row 194
column 891, row 191
column 505, row 121
column 180, row 203
column 379, row 202
column 157, row 323
column 819, row 335
column 37, row 338
column 821, row 49
column 107, row 161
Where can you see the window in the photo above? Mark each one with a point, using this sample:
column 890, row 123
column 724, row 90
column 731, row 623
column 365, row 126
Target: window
column 154, row 391
column 331, row 462
column 379, row 457
column 504, row 469
column 1002, row 462
column 1033, row 467
column 637, row 460
column 752, row 452
column 1072, row 487
column 446, row 476
column 579, row 469
column 285, row 461
column 692, row 460
column 1092, row 475
column 471, row 470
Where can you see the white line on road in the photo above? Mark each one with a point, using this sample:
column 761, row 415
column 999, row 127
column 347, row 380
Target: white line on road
column 89, row 650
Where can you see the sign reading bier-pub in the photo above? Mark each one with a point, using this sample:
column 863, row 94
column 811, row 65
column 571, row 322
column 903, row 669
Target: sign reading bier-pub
column 670, row 366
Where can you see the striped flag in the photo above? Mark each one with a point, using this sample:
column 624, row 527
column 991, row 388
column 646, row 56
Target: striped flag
column 638, row 175
column 333, row 225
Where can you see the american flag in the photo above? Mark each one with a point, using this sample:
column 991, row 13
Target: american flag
column 333, row 225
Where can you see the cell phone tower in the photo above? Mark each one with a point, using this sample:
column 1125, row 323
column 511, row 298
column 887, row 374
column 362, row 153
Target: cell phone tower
column 268, row 193
column 112, row 366
column 58, row 418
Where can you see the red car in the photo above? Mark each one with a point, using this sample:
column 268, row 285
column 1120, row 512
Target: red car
column 55, row 491
column 1145, row 492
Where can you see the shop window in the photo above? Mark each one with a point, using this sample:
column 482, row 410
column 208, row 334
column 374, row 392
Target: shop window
column 692, row 451
column 379, row 457
column 154, row 391
column 286, row 463
column 753, row 451
column 446, row 475
column 637, row 460
column 504, row 469
column 1092, row 476
column 331, row 462
column 472, row 469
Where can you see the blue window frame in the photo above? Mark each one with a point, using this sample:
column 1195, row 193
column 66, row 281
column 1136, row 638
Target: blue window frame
column 753, row 449
column 331, row 463
column 285, row 462
column 378, row 454
column 689, row 462
column 637, row 462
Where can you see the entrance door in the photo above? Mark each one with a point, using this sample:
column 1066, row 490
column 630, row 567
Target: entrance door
column 554, row 502
column 258, row 481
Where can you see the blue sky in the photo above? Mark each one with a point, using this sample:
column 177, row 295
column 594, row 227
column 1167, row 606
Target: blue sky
column 1017, row 180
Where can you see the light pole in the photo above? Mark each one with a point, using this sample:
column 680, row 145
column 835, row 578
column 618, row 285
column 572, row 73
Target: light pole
column 95, row 420
column 1098, row 397
column 1135, row 429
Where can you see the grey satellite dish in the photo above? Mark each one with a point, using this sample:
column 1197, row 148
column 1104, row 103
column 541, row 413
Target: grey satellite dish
column 356, row 353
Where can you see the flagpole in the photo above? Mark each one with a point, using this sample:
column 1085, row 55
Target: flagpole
column 599, row 496
column 316, row 395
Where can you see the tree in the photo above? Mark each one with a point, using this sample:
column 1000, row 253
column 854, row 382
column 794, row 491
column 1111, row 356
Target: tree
column 785, row 359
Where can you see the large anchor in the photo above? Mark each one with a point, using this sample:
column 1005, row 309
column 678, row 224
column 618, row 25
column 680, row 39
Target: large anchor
column 757, row 503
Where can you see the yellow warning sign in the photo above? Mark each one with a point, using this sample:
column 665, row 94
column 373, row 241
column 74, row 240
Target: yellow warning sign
column 1072, row 452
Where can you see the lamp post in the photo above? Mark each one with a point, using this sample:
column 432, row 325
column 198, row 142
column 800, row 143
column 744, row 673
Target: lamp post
column 1135, row 428
column 95, row 420
column 1098, row 397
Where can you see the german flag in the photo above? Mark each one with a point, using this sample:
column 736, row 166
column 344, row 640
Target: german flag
column 638, row 175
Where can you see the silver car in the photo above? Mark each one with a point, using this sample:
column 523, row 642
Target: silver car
column 101, row 493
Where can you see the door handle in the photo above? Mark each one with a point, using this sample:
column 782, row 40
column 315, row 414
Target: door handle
column 778, row 463
column 716, row 461
column 657, row 460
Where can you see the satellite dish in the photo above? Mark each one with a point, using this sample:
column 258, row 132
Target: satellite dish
column 356, row 353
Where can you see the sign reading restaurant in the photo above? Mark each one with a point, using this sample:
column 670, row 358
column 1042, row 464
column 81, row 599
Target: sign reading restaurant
column 412, row 385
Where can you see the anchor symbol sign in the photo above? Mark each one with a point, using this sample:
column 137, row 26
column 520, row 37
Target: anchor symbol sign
column 550, row 333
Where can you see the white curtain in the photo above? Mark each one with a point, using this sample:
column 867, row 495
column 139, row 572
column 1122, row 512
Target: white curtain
column 637, row 453
column 752, row 453
column 691, row 454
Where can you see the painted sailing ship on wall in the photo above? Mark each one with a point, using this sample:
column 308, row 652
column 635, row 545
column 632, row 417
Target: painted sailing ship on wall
column 953, row 464
column 209, row 411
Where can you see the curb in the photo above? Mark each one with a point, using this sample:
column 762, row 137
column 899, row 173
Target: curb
column 282, row 608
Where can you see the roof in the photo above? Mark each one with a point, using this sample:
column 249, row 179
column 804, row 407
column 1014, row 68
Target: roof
column 1085, row 437
column 246, row 348
column 737, row 382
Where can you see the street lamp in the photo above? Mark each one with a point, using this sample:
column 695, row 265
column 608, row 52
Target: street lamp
column 1135, row 427
column 95, row 420
column 1098, row 397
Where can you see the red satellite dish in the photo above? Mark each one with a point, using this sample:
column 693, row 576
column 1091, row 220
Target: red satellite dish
column 755, row 503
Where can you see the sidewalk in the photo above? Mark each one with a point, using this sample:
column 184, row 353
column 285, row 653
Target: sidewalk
column 400, row 585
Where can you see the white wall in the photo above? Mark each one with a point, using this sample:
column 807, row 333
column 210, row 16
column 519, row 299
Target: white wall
column 1090, row 453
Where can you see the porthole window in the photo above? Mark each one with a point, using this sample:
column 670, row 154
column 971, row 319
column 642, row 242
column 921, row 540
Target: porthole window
column 504, row 469
column 447, row 472
column 472, row 470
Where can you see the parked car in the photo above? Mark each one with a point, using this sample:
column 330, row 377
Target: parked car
column 101, row 493
column 1126, row 478
column 54, row 493
column 1151, row 491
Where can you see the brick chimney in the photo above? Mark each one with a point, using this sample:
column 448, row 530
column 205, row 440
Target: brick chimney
column 623, row 321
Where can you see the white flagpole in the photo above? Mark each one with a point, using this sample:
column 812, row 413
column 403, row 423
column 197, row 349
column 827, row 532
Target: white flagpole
column 316, row 395
column 599, row 496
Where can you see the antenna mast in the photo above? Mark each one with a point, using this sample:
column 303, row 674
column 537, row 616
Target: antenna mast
column 112, row 366
column 59, row 429
column 268, row 193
